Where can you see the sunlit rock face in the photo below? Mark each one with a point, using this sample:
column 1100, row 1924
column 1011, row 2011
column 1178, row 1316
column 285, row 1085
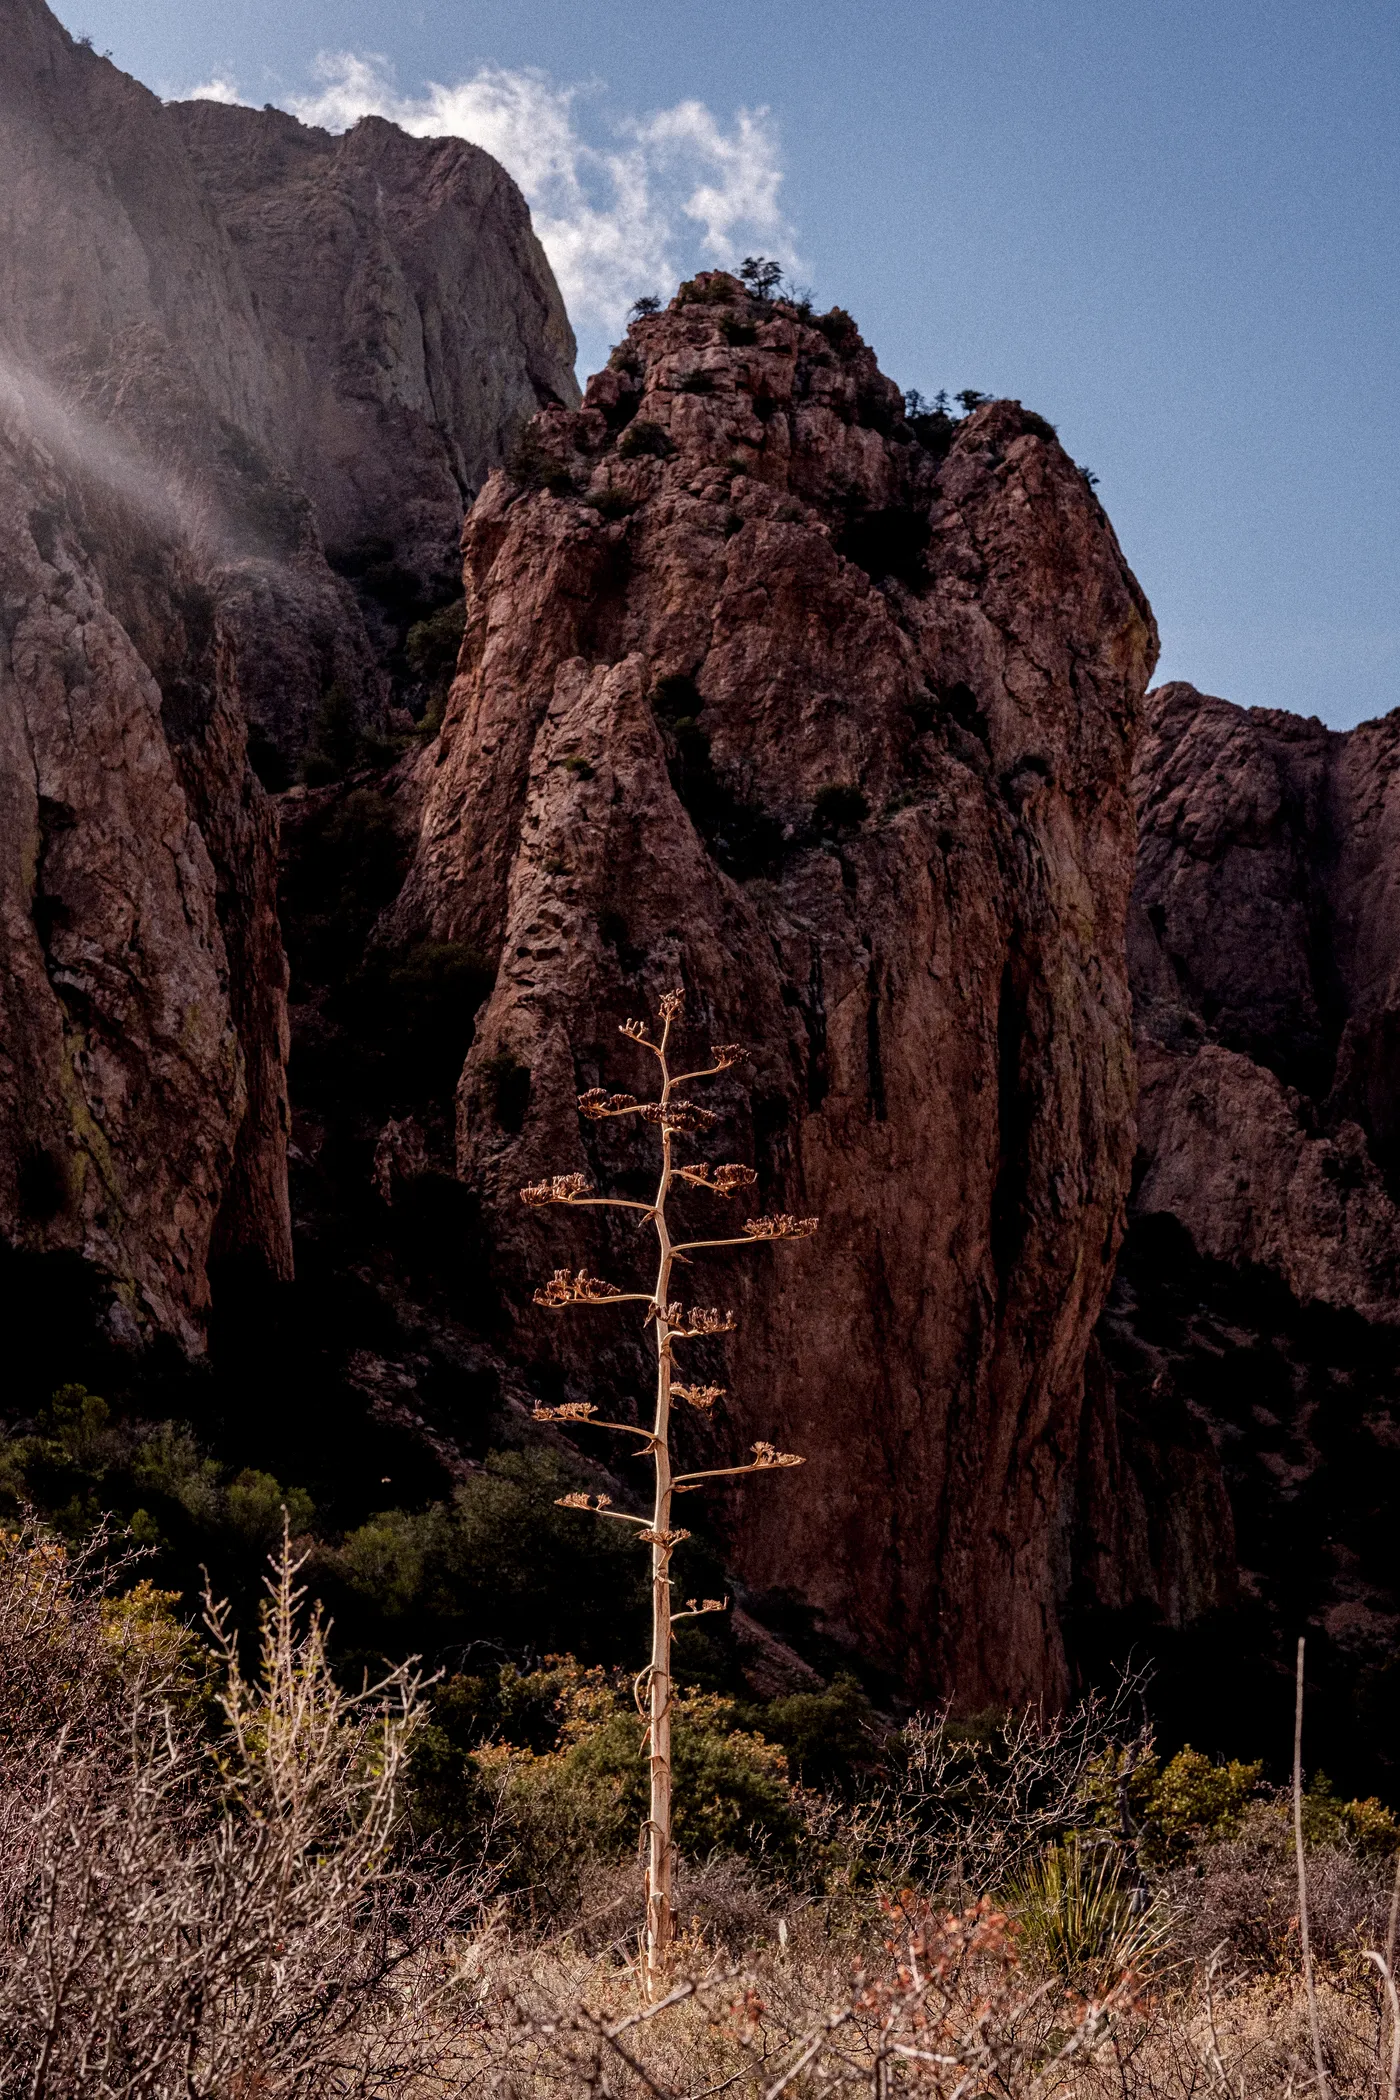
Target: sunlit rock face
column 196, row 404
column 766, row 695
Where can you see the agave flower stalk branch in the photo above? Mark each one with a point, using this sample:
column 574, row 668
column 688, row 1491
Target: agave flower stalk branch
column 670, row 1116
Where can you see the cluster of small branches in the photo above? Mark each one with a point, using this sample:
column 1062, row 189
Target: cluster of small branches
column 940, row 2006
column 964, row 1814
column 196, row 1912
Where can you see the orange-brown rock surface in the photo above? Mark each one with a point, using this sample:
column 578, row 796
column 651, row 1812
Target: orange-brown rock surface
column 764, row 696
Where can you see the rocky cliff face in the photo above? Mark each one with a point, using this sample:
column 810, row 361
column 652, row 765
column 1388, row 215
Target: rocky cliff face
column 764, row 696
column 1259, row 1295
column 193, row 408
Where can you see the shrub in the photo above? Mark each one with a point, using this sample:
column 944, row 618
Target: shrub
column 533, row 468
column 831, row 1737
column 411, row 1013
column 500, row 1563
column 1194, row 1801
column 676, row 698
column 1077, row 1918
column 644, row 440
column 761, row 275
column 612, row 504
column 172, row 1921
column 432, row 647
column 336, row 738
column 552, row 1759
column 649, row 303
column 345, row 864
column 840, row 330
column 738, row 334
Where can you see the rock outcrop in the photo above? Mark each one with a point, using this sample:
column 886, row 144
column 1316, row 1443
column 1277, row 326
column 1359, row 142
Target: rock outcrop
column 195, row 404
column 763, row 696
column 1265, row 953
column 1258, row 1299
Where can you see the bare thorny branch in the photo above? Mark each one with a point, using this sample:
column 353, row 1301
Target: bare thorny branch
column 673, row 1117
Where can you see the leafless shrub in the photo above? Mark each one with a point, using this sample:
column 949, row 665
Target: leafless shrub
column 965, row 1813
column 1241, row 1895
column 939, row 2006
column 181, row 1920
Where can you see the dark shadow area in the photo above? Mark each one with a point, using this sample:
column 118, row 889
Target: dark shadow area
column 1300, row 1405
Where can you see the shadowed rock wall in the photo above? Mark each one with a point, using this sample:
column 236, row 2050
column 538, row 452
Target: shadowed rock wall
column 1253, row 1332
column 194, row 398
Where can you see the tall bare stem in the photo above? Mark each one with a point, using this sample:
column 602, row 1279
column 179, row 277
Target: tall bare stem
column 1309, row 1980
column 673, row 1116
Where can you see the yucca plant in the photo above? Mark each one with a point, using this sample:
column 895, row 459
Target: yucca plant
column 1077, row 1917
column 673, row 1118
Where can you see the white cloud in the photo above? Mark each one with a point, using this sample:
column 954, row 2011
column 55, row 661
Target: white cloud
column 219, row 89
column 618, row 217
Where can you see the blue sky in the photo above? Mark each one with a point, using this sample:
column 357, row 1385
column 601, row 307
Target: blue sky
column 1174, row 229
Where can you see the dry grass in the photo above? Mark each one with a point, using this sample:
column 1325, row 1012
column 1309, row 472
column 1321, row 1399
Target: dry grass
column 207, row 1888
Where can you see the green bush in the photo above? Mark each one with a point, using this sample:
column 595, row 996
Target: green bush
column 555, row 1760
column 411, row 1013
column 1172, row 1808
column 345, row 864
column 612, row 504
column 432, row 647
column 644, row 440
column 761, row 276
column 840, row 330
column 832, row 1738
column 336, row 738
column 1076, row 1917
column 1328, row 1820
column 79, row 1464
column 534, row 469
column 500, row 1562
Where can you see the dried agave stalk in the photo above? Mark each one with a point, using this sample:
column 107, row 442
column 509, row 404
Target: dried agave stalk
column 671, row 1117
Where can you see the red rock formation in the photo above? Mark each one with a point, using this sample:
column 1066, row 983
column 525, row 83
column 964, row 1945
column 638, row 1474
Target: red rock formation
column 1265, row 950
column 760, row 696
column 1252, row 1339
column 189, row 400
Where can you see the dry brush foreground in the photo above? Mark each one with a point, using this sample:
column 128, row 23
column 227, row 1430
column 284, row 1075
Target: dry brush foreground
column 210, row 1885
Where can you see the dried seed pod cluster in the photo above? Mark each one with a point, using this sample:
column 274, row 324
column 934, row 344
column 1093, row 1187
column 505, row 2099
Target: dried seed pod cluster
column 766, row 1455
column 701, row 1396
column 598, row 1102
column 720, row 1181
column 564, row 1288
column 677, row 1115
column 559, row 1188
column 783, row 1226
column 702, row 1319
